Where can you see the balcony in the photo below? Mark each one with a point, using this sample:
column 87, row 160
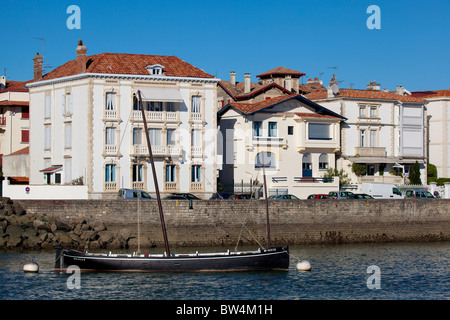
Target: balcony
column 155, row 116
column 371, row 151
column 196, row 151
column 158, row 151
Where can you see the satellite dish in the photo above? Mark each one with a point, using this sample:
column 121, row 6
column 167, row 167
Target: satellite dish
column 335, row 88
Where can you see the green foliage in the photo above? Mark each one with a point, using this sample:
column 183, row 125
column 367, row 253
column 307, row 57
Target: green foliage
column 432, row 175
column 343, row 177
column 359, row 169
column 414, row 174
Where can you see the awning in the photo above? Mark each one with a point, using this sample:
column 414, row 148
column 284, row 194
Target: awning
column 51, row 169
column 159, row 94
column 383, row 160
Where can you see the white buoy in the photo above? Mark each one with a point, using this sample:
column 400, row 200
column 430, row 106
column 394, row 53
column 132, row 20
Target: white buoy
column 303, row 265
column 31, row 267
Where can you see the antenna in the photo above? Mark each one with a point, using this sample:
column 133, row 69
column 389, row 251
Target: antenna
column 337, row 74
column 43, row 54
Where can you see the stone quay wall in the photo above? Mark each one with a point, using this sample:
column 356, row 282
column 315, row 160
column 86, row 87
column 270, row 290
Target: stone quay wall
column 112, row 224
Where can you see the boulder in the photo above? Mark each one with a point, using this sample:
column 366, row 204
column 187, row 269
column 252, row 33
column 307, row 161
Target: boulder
column 105, row 238
column 99, row 226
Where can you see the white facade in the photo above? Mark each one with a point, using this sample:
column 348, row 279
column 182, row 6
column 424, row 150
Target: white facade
column 295, row 143
column 385, row 132
column 87, row 127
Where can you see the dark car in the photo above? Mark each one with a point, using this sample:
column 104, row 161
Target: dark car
column 221, row 195
column 361, row 196
column 284, row 196
column 241, row 196
column 319, row 196
column 181, row 196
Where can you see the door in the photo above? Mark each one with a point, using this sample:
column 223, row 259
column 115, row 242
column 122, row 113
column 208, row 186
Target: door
column 306, row 165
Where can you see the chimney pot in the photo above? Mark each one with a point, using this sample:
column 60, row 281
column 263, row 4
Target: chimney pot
column 288, row 83
column 81, row 57
column 37, row 67
column 247, row 85
column 233, row 78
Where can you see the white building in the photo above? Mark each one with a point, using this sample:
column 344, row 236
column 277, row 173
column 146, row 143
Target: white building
column 438, row 111
column 294, row 138
column 385, row 131
column 86, row 126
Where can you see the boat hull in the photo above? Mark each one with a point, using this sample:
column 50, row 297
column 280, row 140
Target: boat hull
column 261, row 260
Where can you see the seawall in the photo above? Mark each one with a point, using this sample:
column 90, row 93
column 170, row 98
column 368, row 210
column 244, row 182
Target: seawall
column 112, row 224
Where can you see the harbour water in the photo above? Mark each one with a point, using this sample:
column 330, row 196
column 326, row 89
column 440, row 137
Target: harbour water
column 387, row 271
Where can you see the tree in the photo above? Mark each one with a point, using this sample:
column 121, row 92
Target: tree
column 343, row 177
column 359, row 169
column 414, row 174
column 432, row 173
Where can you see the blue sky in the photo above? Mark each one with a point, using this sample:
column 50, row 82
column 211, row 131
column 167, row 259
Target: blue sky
column 412, row 48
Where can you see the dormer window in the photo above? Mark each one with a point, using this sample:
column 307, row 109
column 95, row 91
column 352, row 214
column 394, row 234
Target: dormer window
column 155, row 69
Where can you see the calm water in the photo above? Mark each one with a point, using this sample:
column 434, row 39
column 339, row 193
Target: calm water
column 407, row 272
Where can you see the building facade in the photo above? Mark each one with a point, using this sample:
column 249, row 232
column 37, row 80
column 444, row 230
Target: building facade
column 87, row 126
column 294, row 139
column 385, row 132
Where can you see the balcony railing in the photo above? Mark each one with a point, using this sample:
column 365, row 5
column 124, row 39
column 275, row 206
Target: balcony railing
column 371, row 151
column 196, row 151
column 110, row 186
column 170, row 186
column 110, row 149
column 171, row 150
column 196, row 186
column 155, row 115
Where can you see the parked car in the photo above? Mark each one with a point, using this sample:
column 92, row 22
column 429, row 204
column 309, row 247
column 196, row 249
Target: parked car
column 241, row 196
column 133, row 194
column 361, row 196
column 319, row 196
column 181, row 196
column 284, row 196
column 341, row 194
column 221, row 195
column 418, row 194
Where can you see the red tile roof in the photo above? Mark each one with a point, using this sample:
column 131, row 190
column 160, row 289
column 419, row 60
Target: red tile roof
column 237, row 92
column 248, row 108
column 124, row 63
column 281, row 71
column 25, row 150
column 431, row 94
column 315, row 115
column 364, row 94
column 14, row 103
column 15, row 86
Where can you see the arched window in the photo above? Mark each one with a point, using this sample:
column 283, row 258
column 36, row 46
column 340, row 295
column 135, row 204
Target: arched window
column 265, row 158
column 323, row 161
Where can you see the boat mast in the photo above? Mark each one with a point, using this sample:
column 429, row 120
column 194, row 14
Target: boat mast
column 158, row 196
column 267, row 202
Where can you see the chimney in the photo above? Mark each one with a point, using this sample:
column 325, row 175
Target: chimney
column 288, row 82
column 2, row 82
column 373, row 86
column 81, row 57
column 233, row 78
column 37, row 67
column 247, row 85
column 400, row 90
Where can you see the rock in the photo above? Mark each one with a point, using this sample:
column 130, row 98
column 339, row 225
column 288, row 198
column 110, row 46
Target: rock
column 14, row 231
column 105, row 238
column 124, row 234
column 53, row 227
column 61, row 238
column 33, row 242
column 13, row 242
column 63, row 226
column 29, row 232
column 99, row 226
column 38, row 223
column 47, row 246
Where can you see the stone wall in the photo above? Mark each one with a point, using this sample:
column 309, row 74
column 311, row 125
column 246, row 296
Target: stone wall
column 113, row 223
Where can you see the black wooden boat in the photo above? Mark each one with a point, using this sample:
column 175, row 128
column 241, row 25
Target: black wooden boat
column 272, row 258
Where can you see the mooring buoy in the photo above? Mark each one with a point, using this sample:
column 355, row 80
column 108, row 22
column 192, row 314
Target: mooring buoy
column 31, row 267
column 303, row 265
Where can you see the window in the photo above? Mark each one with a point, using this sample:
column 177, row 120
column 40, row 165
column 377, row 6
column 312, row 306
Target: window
column 171, row 137
column 47, row 107
column 257, row 128
column 25, row 112
column 67, row 104
column 196, row 104
column 155, row 136
column 110, row 136
column 196, row 138
column 170, row 173
column 196, row 173
column 307, row 162
column 67, row 170
column 171, row 106
column 319, row 131
column 373, row 138
column 138, row 170
column 154, row 106
column 362, row 138
column 323, row 161
column 266, row 159
column 25, row 136
column 272, row 129
column 362, row 111
column 57, row 178
column 373, row 112
column 110, row 101
column 136, row 104
column 137, row 136
column 68, row 136
column 110, row 173
column 47, row 144
column 290, row 130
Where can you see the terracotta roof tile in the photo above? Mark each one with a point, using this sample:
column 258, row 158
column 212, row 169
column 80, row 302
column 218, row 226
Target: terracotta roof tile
column 15, row 86
column 364, row 94
column 431, row 94
column 281, row 71
column 124, row 63
column 237, row 92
